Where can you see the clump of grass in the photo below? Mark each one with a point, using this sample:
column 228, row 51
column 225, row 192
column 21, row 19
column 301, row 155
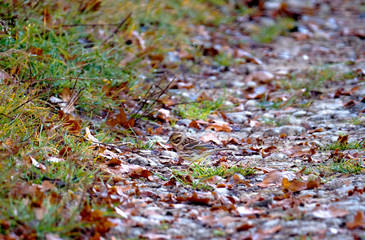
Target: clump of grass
column 269, row 33
column 313, row 79
column 358, row 121
column 224, row 59
column 199, row 110
column 30, row 135
column 346, row 166
column 344, row 145
column 198, row 171
column 196, row 175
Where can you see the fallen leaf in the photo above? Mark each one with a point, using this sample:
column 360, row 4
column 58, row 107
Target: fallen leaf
column 358, row 222
column 195, row 198
column 194, row 124
column 244, row 227
column 244, row 211
column 37, row 164
column 220, row 126
column 263, row 77
column 89, row 136
column 273, row 178
column 210, row 137
column 331, row 212
column 294, row 185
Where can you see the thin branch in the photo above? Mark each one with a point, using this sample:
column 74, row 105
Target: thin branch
column 116, row 30
column 91, row 25
column 152, row 95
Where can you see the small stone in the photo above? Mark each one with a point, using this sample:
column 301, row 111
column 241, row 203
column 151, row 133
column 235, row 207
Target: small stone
column 295, row 121
column 268, row 115
column 183, row 122
column 260, row 76
column 237, row 117
column 359, row 107
column 278, row 157
column 251, row 103
column 138, row 160
column 169, row 154
column 300, row 113
column 254, row 158
column 288, row 130
column 251, row 84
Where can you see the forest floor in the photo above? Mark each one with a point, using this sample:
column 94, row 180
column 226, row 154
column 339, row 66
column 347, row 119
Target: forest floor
column 92, row 90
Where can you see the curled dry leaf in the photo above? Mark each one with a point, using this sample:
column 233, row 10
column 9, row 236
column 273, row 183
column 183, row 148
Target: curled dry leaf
column 136, row 171
column 311, row 184
column 214, row 180
column 37, row 164
column 260, row 77
column 220, row 126
column 210, row 137
column 163, row 114
column 244, row 211
column 239, row 179
column 358, row 222
column 121, row 118
column 65, row 151
column 89, row 136
column 194, row 124
column 343, row 139
column 194, row 198
column 273, row 178
column 69, row 122
column 114, row 162
column 267, row 151
column 294, row 185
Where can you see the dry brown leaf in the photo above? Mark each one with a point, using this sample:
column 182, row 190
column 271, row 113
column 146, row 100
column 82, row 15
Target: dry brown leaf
column 195, row 198
column 210, row 137
column 343, row 139
column 358, row 222
column 244, row 211
column 271, row 178
column 194, row 124
column 69, row 122
column 311, row 184
column 220, row 126
column 263, row 77
column 294, row 185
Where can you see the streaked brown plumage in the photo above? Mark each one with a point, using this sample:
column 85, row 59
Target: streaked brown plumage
column 191, row 149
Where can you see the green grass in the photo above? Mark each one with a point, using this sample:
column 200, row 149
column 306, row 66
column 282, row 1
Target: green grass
column 199, row 110
column 276, row 104
column 313, row 79
column 196, row 175
column 328, row 168
column 31, row 131
column 358, row 120
column 44, row 54
column 346, row 166
column 269, row 33
column 344, row 146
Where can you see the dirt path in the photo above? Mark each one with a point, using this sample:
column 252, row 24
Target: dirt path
column 313, row 79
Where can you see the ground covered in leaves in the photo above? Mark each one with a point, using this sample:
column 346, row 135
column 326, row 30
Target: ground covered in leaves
column 90, row 92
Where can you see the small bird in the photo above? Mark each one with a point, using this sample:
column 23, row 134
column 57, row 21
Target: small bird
column 191, row 149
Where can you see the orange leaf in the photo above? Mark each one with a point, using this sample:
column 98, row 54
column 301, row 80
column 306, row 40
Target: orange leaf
column 194, row 124
column 359, row 221
column 220, row 126
column 294, row 185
